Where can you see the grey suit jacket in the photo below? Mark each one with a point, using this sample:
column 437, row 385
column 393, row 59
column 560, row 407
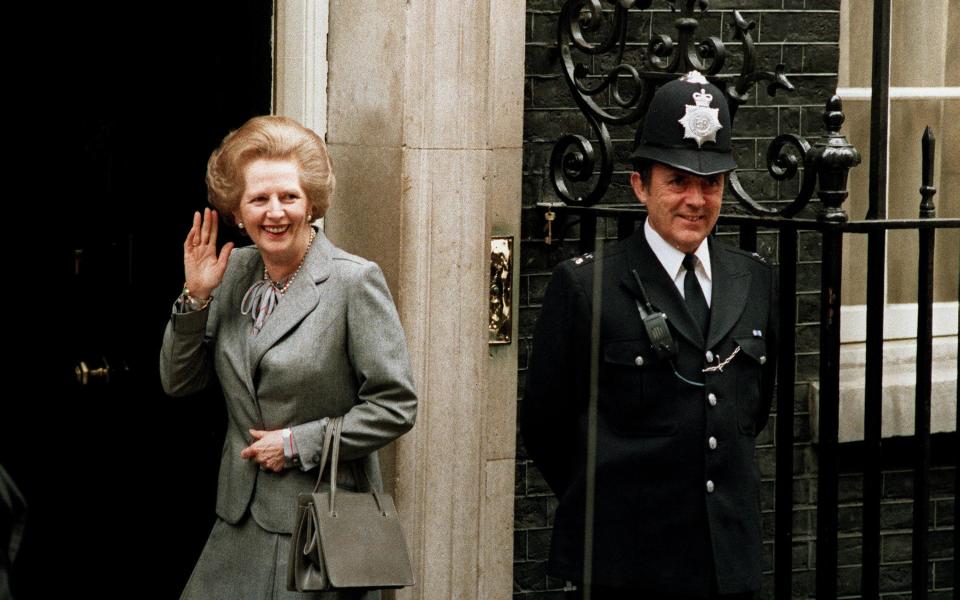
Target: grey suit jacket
column 333, row 346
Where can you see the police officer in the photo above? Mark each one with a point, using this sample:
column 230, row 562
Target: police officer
column 684, row 380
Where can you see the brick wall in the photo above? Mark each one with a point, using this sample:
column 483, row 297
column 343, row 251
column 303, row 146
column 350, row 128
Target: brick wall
column 803, row 34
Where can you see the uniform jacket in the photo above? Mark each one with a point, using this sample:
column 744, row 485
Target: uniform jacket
column 656, row 526
column 333, row 346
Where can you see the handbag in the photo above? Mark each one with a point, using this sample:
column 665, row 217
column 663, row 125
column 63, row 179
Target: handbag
column 343, row 539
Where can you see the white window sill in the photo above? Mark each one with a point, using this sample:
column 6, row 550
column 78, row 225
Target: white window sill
column 899, row 384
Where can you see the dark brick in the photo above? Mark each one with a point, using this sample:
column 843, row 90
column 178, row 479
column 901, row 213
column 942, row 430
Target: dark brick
column 529, row 575
column 552, row 92
column 896, row 547
column 538, row 544
column 757, row 184
column 943, row 575
column 800, row 555
column 849, row 488
column 519, row 545
column 549, row 125
column 663, row 24
column 810, row 246
column 849, row 550
column 529, row 513
column 848, row 580
column 799, row 27
column 535, row 482
column 536, row 288
column 755, row 121
column 821, row 58
column 543, row 27
column 791, row 57
column 544, row 5
column 823, row 4
column 542, row 59
column 944, row 512
column 808, row 367
column 808, row 336
column 766, row 461
column 528, row 318
column 808, row 277
column 896, row 515
column 808, row 307
column 733, row 46
column 895, row 578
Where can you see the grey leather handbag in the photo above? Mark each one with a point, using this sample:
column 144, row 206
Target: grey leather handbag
column 343, row 539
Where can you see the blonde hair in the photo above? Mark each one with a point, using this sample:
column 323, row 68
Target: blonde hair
column 271, row 138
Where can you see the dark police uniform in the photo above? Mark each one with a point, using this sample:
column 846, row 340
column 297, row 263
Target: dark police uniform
column 676, row 506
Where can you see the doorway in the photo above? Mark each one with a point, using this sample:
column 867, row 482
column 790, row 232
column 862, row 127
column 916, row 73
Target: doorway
column 118, row 106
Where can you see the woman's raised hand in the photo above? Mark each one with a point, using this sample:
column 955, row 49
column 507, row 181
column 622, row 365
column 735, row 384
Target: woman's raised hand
column 203, row 269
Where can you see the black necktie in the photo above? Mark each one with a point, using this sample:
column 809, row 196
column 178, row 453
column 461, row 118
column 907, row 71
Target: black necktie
column 693, row 294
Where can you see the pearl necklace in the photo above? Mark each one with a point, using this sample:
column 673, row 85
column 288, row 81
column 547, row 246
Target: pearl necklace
column 276, row 284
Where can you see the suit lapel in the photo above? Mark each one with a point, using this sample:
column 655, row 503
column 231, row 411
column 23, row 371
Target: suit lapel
column 301, row 299
column 660, row 289
column 731, row 288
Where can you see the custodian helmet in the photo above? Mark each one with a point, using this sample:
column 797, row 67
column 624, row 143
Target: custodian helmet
column 688, row 127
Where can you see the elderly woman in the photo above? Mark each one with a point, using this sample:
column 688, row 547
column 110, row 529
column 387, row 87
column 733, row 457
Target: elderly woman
column 296, row 331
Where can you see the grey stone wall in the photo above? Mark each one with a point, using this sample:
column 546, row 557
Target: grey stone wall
column 803, row 34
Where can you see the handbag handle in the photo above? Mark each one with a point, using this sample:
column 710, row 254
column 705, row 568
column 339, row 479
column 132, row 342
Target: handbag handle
column 331, row 447
column 325, row 452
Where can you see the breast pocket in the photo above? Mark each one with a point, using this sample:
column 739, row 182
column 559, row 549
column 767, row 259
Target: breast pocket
column 753, row 355
column 637, row 390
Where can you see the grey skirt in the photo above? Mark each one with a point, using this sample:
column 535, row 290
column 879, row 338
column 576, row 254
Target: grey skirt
column 246, row 562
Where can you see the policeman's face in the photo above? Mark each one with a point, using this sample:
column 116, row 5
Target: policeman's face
column 683, row 208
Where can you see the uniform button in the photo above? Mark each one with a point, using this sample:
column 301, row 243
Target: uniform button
column 709, row 356
column 638, row 361
column 712, row 399
column 712, row 442
column 316, row 457
column 709, row 486
column 763, row 360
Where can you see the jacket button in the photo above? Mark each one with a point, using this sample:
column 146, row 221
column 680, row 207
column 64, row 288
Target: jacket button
column 709, row 356
column 638, row 361
column 712, row 399
column 712, row 442
column 763, row 360
column 709, row 486
column 316, row 457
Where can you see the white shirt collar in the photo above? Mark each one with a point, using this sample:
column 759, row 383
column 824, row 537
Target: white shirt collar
column 670, row 257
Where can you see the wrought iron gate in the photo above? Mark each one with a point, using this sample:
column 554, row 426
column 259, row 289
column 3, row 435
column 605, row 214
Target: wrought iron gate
column 581, row 172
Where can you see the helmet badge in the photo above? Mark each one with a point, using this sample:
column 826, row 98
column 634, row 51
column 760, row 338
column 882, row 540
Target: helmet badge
column 701, row 122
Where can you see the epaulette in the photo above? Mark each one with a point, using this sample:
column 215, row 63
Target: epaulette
column 586, row 257
column 749, row 254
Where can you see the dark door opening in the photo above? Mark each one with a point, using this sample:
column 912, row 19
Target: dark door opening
column 118, row 105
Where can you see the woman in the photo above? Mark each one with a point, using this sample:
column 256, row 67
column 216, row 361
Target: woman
column 296, row 331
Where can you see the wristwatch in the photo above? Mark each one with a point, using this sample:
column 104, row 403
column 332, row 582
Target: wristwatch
column 289, row 452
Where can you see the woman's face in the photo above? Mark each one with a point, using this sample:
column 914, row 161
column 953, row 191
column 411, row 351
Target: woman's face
column 273, row 210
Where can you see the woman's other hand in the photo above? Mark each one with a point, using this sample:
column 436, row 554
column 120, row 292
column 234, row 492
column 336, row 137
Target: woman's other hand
column 203, row 269
column 267, row 449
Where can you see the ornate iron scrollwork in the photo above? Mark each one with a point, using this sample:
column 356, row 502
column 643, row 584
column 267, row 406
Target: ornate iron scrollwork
column 578, row 163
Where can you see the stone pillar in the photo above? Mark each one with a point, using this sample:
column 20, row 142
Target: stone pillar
column 425, row 104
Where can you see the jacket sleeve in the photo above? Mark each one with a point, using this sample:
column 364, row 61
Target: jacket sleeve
column 553, row 400
column 184, row 356
column 386, row 403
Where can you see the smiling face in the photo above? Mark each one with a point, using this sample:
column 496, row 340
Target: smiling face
column 273, row 210
column 682, row 207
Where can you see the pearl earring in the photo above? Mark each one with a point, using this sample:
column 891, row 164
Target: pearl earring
column 240, row 224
